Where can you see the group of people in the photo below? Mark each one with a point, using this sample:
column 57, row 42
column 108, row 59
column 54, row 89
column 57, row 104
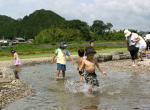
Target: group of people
column 135, row 44
column 86, row 64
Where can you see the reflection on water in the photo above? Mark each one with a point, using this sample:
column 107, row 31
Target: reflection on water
column 121, row 91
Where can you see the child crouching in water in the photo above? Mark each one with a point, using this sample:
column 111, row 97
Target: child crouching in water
column 79, row 62
column 60, row 55
column 16, row 62
column 89, row 66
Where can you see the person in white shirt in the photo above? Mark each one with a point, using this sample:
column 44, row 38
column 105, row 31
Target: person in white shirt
column 132, row 44
column 142, row 47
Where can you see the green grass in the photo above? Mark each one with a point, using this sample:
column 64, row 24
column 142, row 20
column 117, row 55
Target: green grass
column 112, row 50
column 39, row 55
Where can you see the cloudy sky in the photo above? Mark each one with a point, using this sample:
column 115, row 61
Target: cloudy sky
column 121, row 13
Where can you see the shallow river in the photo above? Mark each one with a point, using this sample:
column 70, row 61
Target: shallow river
column 121, row 91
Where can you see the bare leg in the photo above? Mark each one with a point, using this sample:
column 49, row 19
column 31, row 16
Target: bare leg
column 134, row 63
column 141, row 54
column 57, row 74
column 63, row 74
column 90, row 90
column 16, row 72
column 81, row 78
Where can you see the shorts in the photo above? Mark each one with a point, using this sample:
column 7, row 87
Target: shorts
column 81, row 73
column 133, row 52
column 61, row 67
column 142, row 49
column 91, row 79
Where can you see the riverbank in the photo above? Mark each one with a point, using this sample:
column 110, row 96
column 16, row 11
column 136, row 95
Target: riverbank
column 125, row 66
column 11, row 91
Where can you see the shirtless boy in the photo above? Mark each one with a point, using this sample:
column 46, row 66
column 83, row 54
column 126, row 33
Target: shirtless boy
column 89, row 65
column 79, row 62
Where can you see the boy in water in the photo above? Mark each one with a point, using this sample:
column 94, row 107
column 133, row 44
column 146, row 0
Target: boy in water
column 60, row 56
column 89, row 66
column 79, row 62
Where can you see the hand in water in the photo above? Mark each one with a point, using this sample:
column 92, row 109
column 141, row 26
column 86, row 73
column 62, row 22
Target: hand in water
column 105, row 74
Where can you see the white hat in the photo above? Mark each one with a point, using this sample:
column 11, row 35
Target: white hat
column 127, row 33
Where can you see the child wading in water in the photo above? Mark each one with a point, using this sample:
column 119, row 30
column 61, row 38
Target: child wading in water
column 16, row 62
column 79, row 62
column 89, row 66
column 60, row 56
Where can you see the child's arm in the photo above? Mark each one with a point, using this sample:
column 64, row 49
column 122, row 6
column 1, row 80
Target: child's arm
column 103, row 72
column 71, row 59
column 53, row 58
column 15, row 56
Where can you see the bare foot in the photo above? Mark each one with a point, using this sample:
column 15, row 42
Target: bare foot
column 57, row 78
column 90, row 91
column 134, row 65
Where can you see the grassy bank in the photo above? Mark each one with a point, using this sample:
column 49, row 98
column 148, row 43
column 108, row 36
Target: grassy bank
column 38, row 55
column 46, row 50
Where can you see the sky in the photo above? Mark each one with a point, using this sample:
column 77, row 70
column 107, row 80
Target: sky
column 123, row 14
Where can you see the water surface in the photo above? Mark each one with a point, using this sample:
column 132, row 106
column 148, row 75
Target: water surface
column 121, row 91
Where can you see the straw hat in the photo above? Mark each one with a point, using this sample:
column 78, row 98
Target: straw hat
column 127, row 33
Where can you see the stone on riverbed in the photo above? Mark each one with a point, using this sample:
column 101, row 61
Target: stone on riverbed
column 112, row 56
column 7, row 72
column 103, row 57
column 116, row 57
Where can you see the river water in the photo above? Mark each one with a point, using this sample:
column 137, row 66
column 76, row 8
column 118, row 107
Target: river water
column 121, row 91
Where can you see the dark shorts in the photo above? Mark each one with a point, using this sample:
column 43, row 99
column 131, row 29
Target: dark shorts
column 61, row 67
column 91, row 79
column 81, row 73
column 133, row 52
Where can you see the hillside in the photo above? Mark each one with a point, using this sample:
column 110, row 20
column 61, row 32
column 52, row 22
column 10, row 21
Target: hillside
column 5, row 19
column 29, row 26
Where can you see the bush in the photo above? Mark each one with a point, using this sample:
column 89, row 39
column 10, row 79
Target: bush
column 53, row 35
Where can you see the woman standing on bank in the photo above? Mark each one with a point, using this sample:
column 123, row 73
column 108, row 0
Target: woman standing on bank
column 133, row 45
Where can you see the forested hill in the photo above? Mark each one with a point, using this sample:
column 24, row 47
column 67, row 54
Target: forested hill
column 46, row 26
column 5, row 19
column 29, row 26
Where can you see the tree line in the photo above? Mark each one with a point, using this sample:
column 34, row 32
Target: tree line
column 46, row 26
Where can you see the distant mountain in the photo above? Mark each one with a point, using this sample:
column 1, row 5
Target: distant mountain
column 29, row 26
column 5, row 19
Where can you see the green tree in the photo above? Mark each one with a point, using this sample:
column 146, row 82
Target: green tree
column 81, row 26
column 52, row 35
column 108, row 26
column 98, row 27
